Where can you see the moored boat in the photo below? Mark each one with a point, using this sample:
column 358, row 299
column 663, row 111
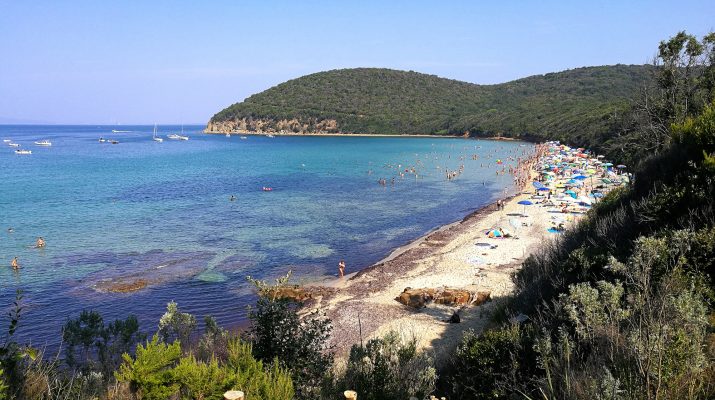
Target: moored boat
column 156, row 138
column 13, row 145
column 23, row 152
column 45, row 143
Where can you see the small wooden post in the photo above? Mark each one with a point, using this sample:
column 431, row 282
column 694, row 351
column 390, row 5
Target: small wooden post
column 233, row 395
column 350, row 395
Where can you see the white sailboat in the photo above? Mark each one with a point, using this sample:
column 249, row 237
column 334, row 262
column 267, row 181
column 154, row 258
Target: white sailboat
column 175, row 136
column 45, row 143
column 182, row 137
column 156, row 139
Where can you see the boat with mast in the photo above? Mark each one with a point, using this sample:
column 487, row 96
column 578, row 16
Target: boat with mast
column 155, row 138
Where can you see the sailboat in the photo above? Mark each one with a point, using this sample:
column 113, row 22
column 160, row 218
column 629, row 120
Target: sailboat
column 156, row 139
column 175, row 136
column 182, row 137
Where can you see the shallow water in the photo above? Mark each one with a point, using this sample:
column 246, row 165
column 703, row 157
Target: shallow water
column 160, row 213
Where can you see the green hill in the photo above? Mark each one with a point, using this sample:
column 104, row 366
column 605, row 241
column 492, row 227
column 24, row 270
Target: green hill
column 566, row 105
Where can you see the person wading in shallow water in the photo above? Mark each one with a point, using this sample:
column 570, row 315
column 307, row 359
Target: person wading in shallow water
column 341, row 268
column 40, row 242
column 14, row 264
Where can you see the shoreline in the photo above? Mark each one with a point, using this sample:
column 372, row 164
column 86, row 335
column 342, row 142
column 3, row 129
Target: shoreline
column 364, row 301
column 456, row 256
column 363, row 305
column 397, row 135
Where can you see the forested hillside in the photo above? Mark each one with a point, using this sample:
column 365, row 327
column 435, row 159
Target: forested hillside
column 571, row 105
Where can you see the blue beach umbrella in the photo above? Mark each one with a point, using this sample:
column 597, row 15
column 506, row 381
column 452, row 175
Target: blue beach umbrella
column 525, row 203
column 571, row 193
column 580, row 177
column 537, row 185
column 543, row 189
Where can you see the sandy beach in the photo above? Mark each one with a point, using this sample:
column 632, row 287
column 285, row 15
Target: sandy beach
column 459, row 256
column 448, row 257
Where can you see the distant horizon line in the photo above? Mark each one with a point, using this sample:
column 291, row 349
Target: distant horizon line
column 88, row 124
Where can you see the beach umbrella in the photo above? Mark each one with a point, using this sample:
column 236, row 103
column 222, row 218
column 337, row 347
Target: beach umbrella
column 537, row 185
column 597, row 195
column 608, row 164
column 620, row 166
column 580, row 177
column 525, row 203
column 606, row 180
column 571, row 193
column 543, row 189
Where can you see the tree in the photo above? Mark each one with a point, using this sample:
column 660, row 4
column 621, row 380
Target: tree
column 92, row 346
column 176, row 325
column 299, row 344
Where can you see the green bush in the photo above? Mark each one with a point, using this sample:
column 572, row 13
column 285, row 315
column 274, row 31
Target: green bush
column 487, row 365
column 159, row 371
column 150, row 373
column 389, row 368
column 299, row 344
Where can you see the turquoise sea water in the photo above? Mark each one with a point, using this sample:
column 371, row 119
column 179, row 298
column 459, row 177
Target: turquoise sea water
column 160, row 212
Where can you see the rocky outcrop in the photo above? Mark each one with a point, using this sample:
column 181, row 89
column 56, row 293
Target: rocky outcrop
column 297, row 293
column 419, row 298
column 267, row 125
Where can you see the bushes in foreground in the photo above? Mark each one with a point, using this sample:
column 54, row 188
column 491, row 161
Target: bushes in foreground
column 159, row 371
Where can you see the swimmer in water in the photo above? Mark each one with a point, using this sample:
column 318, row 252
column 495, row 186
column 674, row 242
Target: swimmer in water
column 40, row 243
column 232, row 198
column 14, row 264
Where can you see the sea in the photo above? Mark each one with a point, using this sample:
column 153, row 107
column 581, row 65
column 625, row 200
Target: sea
column 189, row 221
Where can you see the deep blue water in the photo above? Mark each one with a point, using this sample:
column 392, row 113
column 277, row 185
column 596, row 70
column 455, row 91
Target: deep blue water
column 161, row 212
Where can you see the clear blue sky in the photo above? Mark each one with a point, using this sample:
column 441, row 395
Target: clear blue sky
column 182, row 61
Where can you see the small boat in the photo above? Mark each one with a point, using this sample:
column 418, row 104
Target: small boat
column 114, row 141
column 271, row 136
column 156, row 139
column 118, row 131
column 243, row 137
column 7, row 140
column 173, row 136
column 228, row 135
column 13, row 145
column 267, row 189
column 22, row 152
column 45, row 143
column 182, row 137
column 102, row 140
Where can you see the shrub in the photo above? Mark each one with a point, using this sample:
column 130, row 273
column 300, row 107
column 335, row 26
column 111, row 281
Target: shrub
column 486, row 366
column 176, row 325
column 92, row 346
column 150, row 374
column 388, row 368
column 299, row 344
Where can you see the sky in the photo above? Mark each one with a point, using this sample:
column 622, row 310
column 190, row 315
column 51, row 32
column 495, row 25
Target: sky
column 143, row 62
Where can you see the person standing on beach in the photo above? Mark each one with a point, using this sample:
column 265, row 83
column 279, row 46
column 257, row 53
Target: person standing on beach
column 341, row 268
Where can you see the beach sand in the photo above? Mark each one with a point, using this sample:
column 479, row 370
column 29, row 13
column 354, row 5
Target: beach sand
column 448, row 257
